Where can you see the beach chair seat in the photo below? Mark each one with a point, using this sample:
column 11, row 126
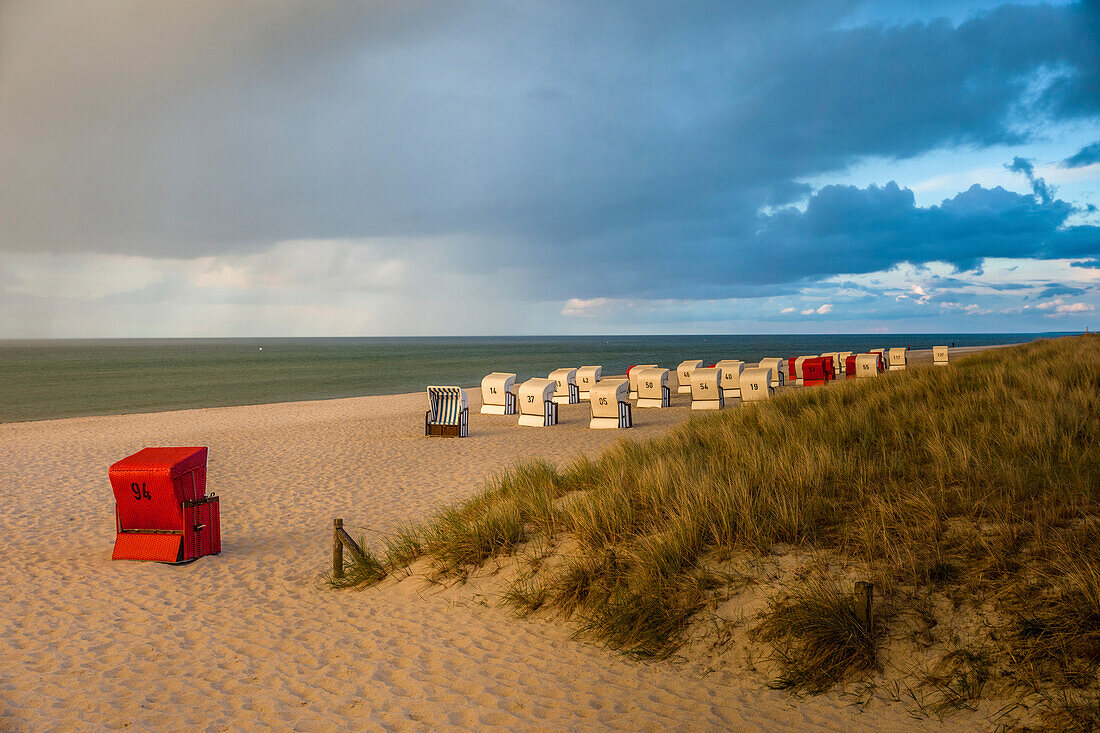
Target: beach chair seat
column 774, row 365
column 632, row 377
column 448, row 414
column 867, row 365
column 611, row 405
column 813, row 370
column 498, row 394
column 653, row 389
column 939, row 355
column 162, row 510
column 537, row 407
column 756, row 384
column 587, row 377
column 898, row 359
column 731, row 378
column 566, row 391
column 706, row 389
column 683, row 375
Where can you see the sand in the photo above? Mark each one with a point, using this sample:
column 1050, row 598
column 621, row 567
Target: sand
column 253, row 638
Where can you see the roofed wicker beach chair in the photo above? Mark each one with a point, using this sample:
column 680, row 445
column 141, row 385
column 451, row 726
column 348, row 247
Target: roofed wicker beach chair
column 867, row 365
column 537, row 408
column 653, row 389
column 632, row 377
column 448, row 415
column 939, row 355
column 898, row 359
column 756, row 384
column 842, row 364
column 566, row 382
column 706, row 389
column 731, row 377
column 776, row 367
column 683, row 375
column 498, row 394
column 611, row 405
column 587, row 377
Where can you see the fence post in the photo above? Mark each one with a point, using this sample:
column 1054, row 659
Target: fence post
column 337, row 548
column 864, row 594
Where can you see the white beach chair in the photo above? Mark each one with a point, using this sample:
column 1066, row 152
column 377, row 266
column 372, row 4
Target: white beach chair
column 611, row 405
column 898, row 359
column 785, row 375
column 447, row 414
column 587, row 376
column 881, row 353
column 566, row 383
column 842, row 364
column 706, row 389
column 774, row 365
column 498, row 394
column 537, row 408
column 867, row 365
column 939, row 355
column 683, row 375
column 798, row 368
column 832, row 356
column 653, row 389
column 731, row 377
column 756, row 384
column 632, row 376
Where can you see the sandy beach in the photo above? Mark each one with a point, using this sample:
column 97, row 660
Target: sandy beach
column 253, row 638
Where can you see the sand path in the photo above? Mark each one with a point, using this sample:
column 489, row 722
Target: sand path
column 252, row 638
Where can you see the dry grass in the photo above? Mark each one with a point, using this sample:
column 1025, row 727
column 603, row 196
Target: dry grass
column 977, row 481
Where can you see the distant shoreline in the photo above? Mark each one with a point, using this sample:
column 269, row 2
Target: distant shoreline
column 52, row 381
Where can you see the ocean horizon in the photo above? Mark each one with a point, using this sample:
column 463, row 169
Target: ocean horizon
column 55, row 378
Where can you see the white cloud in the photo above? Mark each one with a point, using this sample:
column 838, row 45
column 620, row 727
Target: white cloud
column 586, row 307
column 787, row 310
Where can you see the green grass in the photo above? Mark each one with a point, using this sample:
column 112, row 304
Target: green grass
column 978, row 482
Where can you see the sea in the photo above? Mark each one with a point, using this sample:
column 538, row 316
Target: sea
column 45, row 379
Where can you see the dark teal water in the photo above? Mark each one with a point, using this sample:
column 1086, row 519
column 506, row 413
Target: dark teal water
column 67, row 378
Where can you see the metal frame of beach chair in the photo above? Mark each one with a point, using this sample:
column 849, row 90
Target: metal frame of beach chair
column 448, row 415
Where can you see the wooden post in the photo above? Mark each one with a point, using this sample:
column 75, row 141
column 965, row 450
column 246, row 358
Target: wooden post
column 864, row 594
column 337, row 548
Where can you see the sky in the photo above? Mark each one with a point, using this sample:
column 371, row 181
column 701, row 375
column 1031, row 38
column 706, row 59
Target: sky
column 431, row 167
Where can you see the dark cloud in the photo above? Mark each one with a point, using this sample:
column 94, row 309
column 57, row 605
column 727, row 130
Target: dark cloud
column 1085, row 156
column 1044, row 191
column 587, row 149
column 1054, row 291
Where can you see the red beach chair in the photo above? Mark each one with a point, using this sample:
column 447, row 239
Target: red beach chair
column 162, row 511
column 850, row 366
column 813, row 371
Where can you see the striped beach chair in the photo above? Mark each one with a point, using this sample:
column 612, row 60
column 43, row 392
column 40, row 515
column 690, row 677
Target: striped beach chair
column 448, row 415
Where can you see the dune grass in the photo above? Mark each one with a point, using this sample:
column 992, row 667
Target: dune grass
column 978, row 481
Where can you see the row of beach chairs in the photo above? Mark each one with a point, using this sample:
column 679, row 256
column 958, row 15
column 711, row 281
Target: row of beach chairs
column 536, row 400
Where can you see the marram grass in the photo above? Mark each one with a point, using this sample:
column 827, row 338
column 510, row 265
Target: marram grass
column 979, row 480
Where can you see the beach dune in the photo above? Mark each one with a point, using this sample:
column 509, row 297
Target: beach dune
column 254, row 637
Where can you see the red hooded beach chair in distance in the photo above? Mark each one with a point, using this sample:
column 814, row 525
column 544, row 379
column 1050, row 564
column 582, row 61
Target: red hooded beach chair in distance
column 162, row 511
column 850, row 366
column 813, row 371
